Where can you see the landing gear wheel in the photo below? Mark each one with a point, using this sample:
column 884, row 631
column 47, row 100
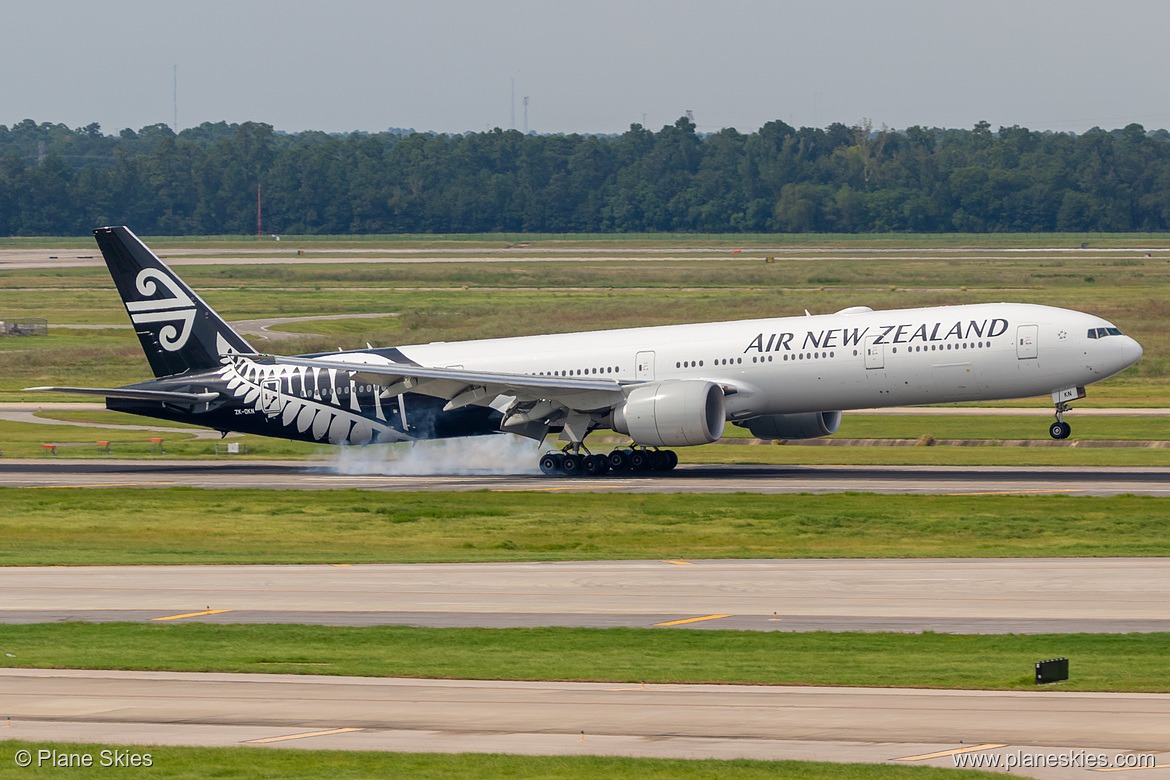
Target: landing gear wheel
column 551, row 463
column 639, row 460
column 671, row 460
column 619, row 460
column 573, row 464
column 1059, row 430
column 595, row 465
column 658, row 460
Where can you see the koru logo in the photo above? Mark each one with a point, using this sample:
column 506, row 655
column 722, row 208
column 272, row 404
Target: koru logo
column 175, row 307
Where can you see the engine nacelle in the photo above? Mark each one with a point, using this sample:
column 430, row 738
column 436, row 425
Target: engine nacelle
column 809, row 425
column 672, row 414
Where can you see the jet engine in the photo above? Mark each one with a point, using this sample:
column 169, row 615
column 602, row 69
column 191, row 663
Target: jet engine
column 674, row 414
column 809, row 425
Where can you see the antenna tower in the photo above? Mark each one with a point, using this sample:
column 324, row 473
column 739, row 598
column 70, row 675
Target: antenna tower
column 513, row 104
column 525, row 115
column 175, row 74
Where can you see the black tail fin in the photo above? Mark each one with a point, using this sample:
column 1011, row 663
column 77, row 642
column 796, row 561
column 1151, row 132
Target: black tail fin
column 178, row 331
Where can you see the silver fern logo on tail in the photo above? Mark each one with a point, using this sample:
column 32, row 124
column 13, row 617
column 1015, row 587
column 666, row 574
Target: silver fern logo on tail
column 175, row 307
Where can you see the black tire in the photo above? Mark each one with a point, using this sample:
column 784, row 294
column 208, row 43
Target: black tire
column 658, row 460
column 619, row 460
column 671, row 459
column 550, row 463
column 639, row 460
column 596, row 465
column 573, row 464
column 1059, row 430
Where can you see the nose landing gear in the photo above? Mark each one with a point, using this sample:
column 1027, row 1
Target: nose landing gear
column 1060, row 429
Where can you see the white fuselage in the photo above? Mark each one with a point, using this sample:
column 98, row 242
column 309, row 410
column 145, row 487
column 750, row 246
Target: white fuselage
column 853, row 359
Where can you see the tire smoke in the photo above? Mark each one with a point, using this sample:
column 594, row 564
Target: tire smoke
column 473, row 455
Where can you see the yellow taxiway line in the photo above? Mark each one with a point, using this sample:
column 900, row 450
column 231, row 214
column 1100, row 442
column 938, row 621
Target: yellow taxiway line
column 193, row 614
column 692, row 620
column 957, row 751
column 299, row 736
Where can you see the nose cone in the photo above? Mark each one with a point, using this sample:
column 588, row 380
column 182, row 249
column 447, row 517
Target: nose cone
column 1131, row 351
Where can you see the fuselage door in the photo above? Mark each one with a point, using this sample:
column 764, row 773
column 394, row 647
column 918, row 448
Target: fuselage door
column 270, row 396
column 644, row 366
column 1026, row 337
column 875, row 354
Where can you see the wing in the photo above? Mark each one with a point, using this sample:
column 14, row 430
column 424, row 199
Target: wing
column 530, row 403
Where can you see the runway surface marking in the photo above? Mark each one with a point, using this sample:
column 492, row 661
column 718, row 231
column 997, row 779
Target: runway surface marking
column 107, row 484
column 1129, row 768
column 942, row 753
column 692, row 620
column 339, row 565
column 193, row 614
column 299, row 736
column 681, row 563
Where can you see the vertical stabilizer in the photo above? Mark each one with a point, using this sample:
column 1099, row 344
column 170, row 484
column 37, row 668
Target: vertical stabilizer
column 179, row 332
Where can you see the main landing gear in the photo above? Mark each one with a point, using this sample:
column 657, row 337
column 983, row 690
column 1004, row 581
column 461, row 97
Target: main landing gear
column 633, row 459
column 1060, row 429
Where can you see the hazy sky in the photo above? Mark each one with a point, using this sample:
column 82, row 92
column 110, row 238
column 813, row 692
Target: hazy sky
column 594, row 66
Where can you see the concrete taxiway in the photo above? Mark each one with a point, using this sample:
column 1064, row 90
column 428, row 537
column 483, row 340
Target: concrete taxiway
column 305, row 475
column 947, row 595
column 902, row 726
column 717, row 721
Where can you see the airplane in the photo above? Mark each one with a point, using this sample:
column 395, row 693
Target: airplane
column 667, row 386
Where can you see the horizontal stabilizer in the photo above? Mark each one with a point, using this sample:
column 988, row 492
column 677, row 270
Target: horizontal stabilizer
column 133, row 394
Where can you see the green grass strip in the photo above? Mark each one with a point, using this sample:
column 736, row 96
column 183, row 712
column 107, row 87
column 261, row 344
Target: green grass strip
column 1098, row 662
column 179, row 763
column 54, row 526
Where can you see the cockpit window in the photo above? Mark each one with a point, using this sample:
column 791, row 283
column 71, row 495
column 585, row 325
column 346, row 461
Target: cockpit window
column 1114, row 331
column 1100, row 333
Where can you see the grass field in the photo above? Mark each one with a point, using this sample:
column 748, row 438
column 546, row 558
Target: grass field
column 196, row 763
column 1098, row 662
column 176, row 525
column 24, row 440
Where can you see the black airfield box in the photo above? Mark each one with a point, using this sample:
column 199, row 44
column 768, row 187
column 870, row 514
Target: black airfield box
column 1051, row 671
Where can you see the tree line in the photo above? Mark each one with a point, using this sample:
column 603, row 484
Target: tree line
column 203, row 181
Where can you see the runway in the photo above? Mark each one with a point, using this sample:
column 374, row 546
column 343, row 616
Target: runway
column 722, row 721
column 984, row 596
column 323, row 475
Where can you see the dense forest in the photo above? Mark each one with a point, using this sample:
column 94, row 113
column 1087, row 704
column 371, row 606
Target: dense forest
column 203, row 181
